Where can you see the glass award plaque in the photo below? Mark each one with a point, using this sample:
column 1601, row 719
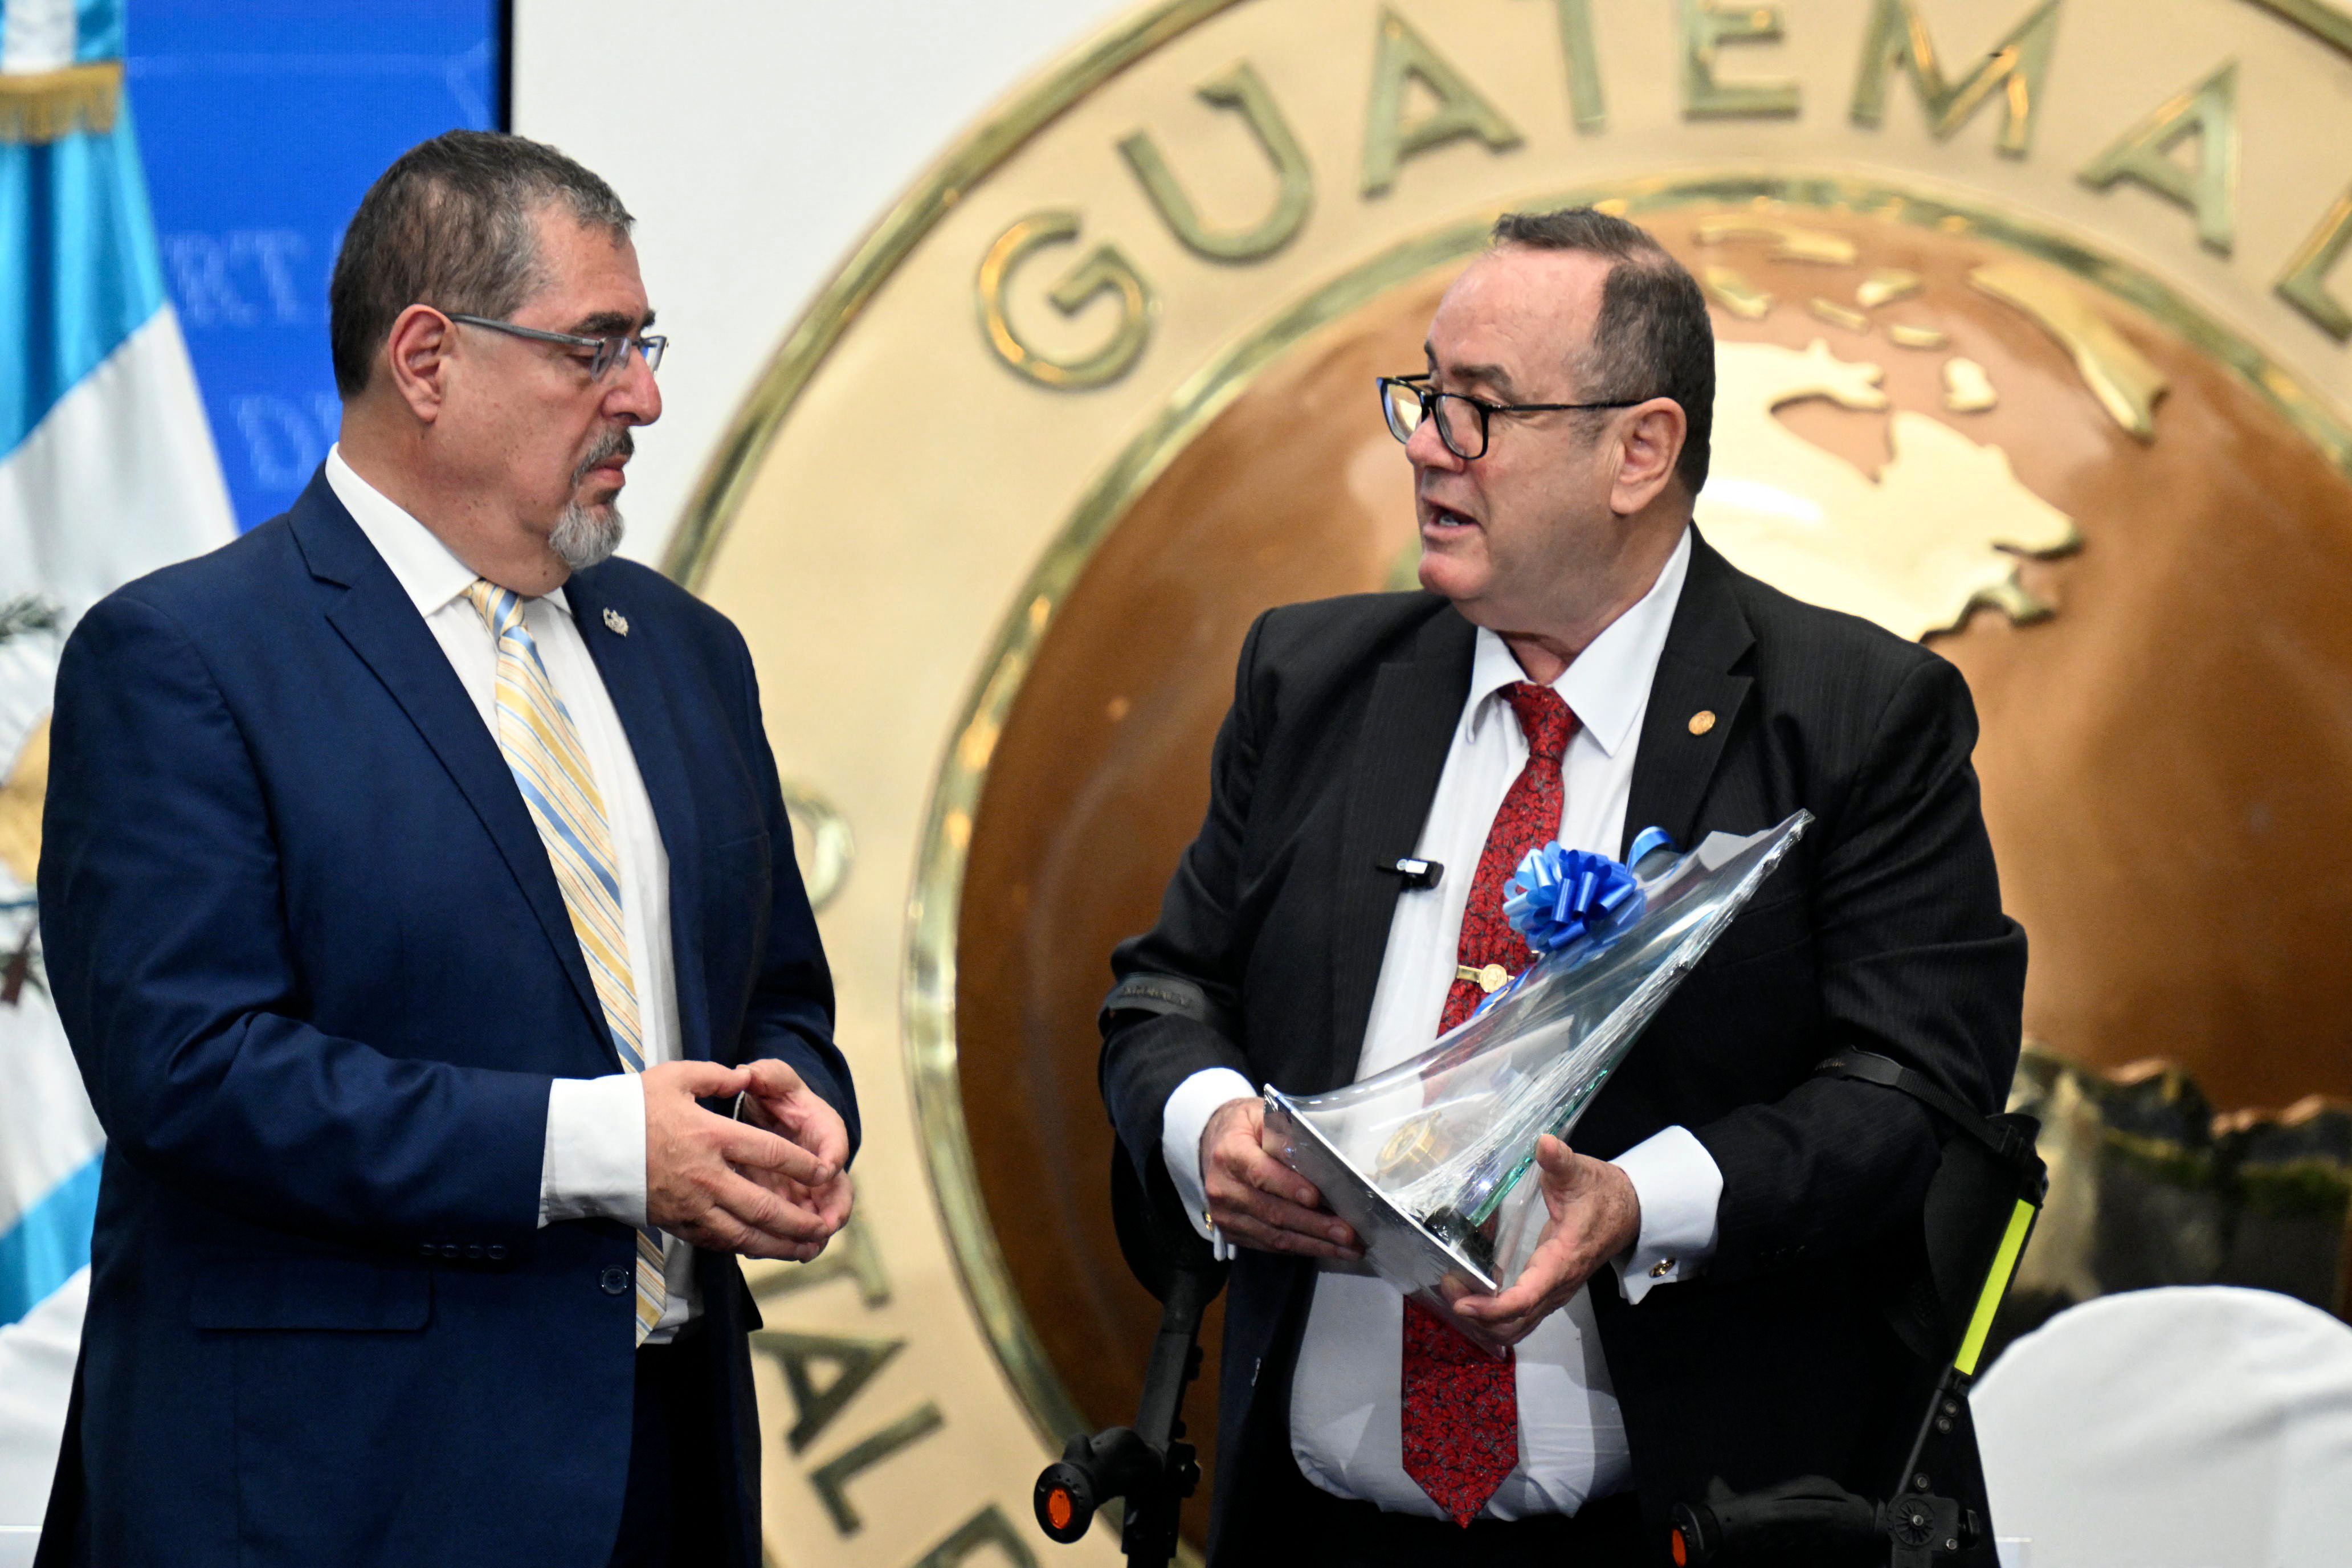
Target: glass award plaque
column 1430, row 1161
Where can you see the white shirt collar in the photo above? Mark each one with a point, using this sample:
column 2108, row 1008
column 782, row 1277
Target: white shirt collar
column 426, row 569
column 1607, row 686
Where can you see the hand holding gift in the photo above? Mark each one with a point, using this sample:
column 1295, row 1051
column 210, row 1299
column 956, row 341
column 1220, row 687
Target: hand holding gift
column 1424, row 1162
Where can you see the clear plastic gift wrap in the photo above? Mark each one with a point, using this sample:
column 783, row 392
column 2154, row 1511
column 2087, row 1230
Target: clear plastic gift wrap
column 1431, row 1161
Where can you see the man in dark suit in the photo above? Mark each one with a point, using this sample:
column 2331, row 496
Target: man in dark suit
column 1707, row 1300
column 411, row 872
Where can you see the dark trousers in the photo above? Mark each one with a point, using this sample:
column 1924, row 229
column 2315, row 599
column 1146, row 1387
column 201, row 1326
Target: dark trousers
column 672, row 1515
column 1335, row 1533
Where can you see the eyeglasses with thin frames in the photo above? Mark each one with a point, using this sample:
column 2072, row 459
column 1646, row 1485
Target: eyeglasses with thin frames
column 1462, row 419
column 604, row 353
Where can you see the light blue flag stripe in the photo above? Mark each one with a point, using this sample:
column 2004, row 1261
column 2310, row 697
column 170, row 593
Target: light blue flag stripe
column 98, row 30
column 49, row 1243
column 79, row 269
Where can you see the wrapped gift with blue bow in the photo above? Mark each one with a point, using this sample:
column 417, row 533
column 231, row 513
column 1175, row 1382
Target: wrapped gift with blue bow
column 1428, row 1159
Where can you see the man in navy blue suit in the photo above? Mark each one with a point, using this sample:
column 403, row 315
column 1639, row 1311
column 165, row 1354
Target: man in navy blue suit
column 419, row 900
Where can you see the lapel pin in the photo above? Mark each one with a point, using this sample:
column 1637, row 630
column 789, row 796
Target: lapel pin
column 620, row 625
column 1701, row 721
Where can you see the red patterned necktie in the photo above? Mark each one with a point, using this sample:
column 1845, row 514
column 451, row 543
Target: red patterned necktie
column 1460, row 1405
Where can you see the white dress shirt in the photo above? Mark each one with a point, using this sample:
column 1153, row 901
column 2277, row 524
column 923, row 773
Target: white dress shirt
column 595, row 1166
column 1345, row 1406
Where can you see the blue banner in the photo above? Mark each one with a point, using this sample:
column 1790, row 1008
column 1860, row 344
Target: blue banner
column 264, row 121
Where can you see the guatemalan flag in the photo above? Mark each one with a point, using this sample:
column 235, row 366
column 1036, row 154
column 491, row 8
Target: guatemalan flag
column 106, row 471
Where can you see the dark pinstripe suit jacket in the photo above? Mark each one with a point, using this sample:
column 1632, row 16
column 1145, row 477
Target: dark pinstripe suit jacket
column 1883, row 930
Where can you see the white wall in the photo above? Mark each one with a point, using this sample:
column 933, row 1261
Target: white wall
column 757, row 141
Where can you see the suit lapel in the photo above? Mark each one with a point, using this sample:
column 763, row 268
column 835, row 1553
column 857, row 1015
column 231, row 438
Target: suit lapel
column 376, row 617
column 630, row 667
column 1400, row 751
column 1673, row 767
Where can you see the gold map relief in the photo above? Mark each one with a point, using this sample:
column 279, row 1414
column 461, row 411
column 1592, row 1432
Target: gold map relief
column 1790, row 241
column 1925, row 523
column 1968, row 389
column 1915, row 548
column 1729, row 288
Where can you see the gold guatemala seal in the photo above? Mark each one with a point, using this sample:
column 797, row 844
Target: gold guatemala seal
column 2032, row 342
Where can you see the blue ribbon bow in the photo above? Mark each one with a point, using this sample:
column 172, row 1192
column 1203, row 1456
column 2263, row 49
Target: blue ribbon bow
column 1558, row 895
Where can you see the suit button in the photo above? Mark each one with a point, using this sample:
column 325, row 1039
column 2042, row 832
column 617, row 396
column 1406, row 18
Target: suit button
column 427, row 1249
column 451, row 1250
column 614, row 1281
column 473, row 1250
column 498, row 1252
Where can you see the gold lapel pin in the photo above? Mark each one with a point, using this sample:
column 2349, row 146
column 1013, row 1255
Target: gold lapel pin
column 1702, row 721
column 619, row 623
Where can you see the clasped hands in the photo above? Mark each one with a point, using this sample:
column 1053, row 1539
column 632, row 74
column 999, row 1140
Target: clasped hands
column 1257, row 1201
column 773, row 1184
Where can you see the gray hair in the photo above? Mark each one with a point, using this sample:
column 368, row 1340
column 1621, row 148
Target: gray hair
column 1653, row 337
column 451, row 224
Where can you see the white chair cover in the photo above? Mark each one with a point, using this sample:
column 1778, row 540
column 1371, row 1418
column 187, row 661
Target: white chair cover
column 2189, row 1427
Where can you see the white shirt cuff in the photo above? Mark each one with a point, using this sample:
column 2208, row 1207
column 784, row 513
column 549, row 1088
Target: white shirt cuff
column 1679, row 1185
column 1181, row 1123
column 596, row 1162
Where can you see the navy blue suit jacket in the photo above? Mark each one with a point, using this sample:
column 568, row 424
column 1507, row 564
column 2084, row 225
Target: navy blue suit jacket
column 318, row 976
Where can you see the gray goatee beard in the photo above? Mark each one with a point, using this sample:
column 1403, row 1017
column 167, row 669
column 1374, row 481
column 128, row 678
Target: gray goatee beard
column 587, row 535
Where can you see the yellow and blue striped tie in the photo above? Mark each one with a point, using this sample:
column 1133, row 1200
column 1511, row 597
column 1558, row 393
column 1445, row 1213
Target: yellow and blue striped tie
column 536, row 735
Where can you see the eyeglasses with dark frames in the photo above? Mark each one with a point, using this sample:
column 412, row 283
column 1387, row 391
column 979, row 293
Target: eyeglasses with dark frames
column 603, row 354
column 1462, row 419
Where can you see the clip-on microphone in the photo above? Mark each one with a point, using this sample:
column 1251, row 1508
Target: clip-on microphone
column 1414, row 874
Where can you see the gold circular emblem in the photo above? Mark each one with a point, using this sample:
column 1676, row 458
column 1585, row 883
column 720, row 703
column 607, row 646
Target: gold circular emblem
column 2060, row 391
